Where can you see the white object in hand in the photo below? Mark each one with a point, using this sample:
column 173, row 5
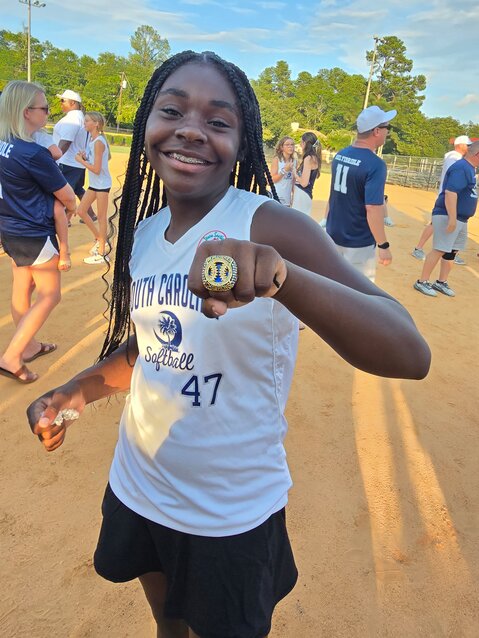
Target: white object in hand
column 66, row 415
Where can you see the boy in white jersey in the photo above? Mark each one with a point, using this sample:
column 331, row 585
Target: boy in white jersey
column 199, row 482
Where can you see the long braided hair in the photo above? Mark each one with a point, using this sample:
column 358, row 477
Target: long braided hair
column 143, row 192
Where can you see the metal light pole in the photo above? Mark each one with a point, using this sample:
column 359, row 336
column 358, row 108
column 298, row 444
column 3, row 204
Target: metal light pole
column 371, row 70
column 123, row 85
column 30, row 4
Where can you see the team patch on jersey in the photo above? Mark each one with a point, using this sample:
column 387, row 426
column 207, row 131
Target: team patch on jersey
column 169, row 332
column 169, row 335
column 213, row 235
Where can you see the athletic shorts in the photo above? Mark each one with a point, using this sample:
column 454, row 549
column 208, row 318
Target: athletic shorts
column 444, row 241
column 363, row 259
column 30, row 251
column 99, row 190
column 75, row 176
column 224, row 587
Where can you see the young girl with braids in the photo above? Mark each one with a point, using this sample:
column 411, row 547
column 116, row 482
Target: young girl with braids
column 95, row 160
column 307, row 173
column 195, row 503
column 282, row 169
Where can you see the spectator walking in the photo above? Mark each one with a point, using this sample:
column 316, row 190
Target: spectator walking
column 71, row 138
column 95, row 160
column 454, row 207
column 30, row 182
column 461, row 144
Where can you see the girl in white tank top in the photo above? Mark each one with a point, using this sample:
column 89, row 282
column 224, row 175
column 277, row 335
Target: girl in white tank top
column 282, row 169
column 95, row 160
column 200, row 479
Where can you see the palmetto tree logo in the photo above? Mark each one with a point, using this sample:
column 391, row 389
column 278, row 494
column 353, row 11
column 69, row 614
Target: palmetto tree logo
column 169, row 332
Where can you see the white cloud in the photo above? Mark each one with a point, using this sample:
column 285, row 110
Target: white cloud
column 470, row 98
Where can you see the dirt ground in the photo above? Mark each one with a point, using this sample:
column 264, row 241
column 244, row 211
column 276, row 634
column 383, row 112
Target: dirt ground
column 383, row 515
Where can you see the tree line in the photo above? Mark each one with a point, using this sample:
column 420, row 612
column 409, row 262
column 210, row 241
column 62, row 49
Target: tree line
column 327, row 102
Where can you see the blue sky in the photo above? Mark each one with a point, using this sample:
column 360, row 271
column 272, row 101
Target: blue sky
column 440, row 35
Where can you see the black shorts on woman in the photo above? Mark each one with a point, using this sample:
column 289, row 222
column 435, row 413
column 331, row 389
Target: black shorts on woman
column 25, row 250
column 222, row 587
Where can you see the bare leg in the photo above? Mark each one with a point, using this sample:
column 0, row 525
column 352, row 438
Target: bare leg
column 61, row 229
column 22, row 290
column 154, row 586
column 446, row 265
column 430, row 263
column 427, row 233
column 82, row 210
column 46, row 278
column 102, row 213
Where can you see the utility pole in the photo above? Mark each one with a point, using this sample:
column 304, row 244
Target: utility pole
column 371, row 70
column 123, row 84
column 30, row 4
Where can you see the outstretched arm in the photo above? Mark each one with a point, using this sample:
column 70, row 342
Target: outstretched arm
column 101, row 380
column 361, row 322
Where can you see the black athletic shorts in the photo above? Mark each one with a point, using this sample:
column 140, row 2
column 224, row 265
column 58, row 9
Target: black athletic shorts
column 223, row 587
column 25, row 250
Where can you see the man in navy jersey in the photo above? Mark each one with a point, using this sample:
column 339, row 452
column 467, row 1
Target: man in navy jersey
column 455, row 205
column 356, row 201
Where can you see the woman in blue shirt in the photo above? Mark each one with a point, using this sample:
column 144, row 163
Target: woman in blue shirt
column 30, row 181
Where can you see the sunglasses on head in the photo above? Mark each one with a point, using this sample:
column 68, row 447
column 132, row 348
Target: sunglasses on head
column 41, row 108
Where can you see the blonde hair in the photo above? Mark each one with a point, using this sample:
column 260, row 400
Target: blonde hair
column 98, row 118
column 17, row 96
column 278, row 150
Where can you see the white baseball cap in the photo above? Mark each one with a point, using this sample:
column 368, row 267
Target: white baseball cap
column 373, row 116
column 70, row 95
column 462, row 139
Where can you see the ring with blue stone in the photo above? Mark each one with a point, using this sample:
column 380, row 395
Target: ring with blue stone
column 220, row 273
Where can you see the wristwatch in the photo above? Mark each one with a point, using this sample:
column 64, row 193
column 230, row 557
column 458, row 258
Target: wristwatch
column 384, row 246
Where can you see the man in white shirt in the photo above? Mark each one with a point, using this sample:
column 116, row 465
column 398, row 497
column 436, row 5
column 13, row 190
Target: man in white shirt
column 461, row 144
column 70, row 137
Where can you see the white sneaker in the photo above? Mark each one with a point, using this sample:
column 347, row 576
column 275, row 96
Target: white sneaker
column 94, row 249
column 97, row 259
column 388, row 221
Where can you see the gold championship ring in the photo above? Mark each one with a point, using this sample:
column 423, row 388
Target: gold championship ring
column 220, row 273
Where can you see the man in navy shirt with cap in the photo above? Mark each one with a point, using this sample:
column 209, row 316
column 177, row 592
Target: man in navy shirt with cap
column 356, row 203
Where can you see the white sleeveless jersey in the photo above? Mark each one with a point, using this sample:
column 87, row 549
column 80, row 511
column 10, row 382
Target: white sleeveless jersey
column 103, row 179
column 200, row 447
column 284, row 187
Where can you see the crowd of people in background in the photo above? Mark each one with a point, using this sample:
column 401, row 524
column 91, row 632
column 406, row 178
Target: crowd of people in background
column 42, row 173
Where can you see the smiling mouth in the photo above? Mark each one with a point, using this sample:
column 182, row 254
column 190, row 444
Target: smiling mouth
column 187, row 160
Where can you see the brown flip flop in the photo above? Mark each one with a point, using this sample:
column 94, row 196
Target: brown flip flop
column 31, row 376
column 45, row 348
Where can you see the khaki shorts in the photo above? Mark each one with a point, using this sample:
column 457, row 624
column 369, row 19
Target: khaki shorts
column 444, row 241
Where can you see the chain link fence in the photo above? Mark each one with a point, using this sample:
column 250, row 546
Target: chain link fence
column 415, row 172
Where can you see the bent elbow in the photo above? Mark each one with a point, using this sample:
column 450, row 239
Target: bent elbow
column 422, row 362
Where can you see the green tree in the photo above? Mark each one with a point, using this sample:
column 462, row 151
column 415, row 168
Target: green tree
column 275, row 92
column 149, row 48
column 395, row 87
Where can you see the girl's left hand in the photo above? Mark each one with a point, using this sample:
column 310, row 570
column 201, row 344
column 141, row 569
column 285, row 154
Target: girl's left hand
column 261, row 272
